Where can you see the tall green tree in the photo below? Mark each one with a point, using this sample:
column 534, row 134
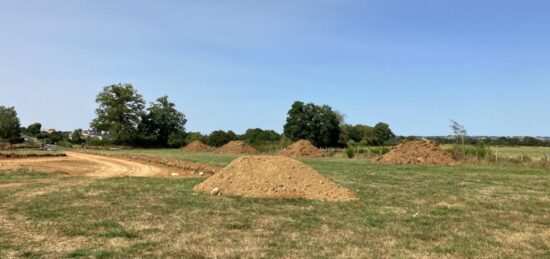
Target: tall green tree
column 383, row 133
column 318, row 124
column 163, row 121
column 34, row 129
column 10, row 127
column 119, row 113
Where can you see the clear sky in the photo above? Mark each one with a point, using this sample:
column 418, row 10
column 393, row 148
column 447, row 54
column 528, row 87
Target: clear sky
column 240, row 64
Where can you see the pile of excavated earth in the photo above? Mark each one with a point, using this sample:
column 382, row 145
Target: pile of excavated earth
column 302, row 148
column 197, row 146
column 273, row 177
column 418, row 152
column 237, row 147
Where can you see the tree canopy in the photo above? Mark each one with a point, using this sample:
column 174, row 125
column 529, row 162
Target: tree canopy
column 318, row 124
column 119, row 113
column 259, row 136
column 10, row 127
column 219, row 138
column 34, row 129
column 163, row 122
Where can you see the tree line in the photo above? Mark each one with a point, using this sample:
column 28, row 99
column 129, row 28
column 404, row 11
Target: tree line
column 124, row 118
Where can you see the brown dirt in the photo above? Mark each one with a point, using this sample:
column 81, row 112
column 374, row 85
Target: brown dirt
column 99, row 166
column 302, row 148
column 197, row 146
column 187, row 166
column 274, row 177
column 418, row 152
column 237, row 147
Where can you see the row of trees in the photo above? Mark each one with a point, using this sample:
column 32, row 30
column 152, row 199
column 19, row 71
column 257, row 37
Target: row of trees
column 499, row 141
column 219, row 137
column 123, row 115
column 125, row 119
column 325, row 127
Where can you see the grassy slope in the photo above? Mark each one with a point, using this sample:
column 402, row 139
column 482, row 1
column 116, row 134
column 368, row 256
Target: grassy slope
column 404, row 211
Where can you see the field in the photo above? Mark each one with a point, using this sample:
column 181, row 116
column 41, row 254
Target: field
column 536, row 153
column 403, row 211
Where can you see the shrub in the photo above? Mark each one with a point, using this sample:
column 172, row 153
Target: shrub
column 350, row 152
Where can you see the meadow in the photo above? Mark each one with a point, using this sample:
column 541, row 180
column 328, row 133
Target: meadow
column 403, row 211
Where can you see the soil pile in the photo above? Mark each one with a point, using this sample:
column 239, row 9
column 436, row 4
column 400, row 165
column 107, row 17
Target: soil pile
column 273, row 177
column 197, row 146
column 237, row 147
column 303, row 148
column 418, row 152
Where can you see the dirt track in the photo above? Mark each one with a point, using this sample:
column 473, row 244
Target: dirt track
column 86, row 164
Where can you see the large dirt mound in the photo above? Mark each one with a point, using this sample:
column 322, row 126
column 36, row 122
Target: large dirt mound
column 303, row 148
column 197, row 146
column 273, row 177
column 418, row 152
column 237, row 147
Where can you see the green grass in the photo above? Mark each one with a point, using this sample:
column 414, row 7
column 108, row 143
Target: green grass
column 536, row 153
column 403, row 211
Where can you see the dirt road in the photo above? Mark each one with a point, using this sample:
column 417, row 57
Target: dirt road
column 86, row 164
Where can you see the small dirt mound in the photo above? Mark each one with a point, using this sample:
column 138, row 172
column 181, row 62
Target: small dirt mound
column 418, row 152
column 273, row 177
column 237, row 147
column 302, row 148
column 197, row 146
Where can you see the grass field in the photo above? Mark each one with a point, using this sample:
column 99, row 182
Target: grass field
column 403, row 211
column 536, row 153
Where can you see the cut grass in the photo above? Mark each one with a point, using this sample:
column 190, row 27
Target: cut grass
column 403, row 211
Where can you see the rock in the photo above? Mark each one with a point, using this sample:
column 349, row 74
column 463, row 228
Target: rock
column 175, row 174
column 201, row 173
column 215, row 191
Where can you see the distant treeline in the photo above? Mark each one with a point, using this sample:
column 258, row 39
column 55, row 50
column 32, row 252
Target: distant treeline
column 500, row 141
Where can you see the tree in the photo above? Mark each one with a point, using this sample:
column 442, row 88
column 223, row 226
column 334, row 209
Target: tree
column 459, row 132
column 34, row 129
column 219, row 138
column 119, row 113
column 318, row 124
column 55, row 137
column 162, row 121
column 259, row 136
column 10, row 128
column 383, row 133
column 76, row 137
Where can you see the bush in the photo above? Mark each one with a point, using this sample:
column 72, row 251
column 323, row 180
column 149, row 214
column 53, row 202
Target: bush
column 480, row 151
column 350, row 152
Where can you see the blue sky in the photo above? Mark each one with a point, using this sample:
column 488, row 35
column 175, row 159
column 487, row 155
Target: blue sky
column 240, row 64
